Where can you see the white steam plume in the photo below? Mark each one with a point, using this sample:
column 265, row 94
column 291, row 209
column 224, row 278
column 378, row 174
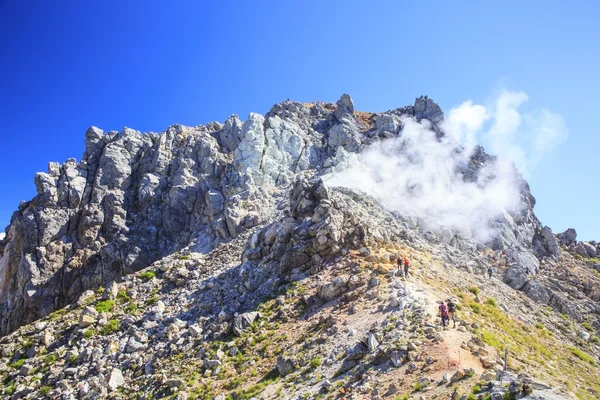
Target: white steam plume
column 416, row 173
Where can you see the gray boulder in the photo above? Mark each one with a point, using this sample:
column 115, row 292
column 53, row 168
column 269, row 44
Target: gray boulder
column 568, row 237
column 242, row 322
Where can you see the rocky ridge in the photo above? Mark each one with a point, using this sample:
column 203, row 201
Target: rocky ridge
column 261, row 281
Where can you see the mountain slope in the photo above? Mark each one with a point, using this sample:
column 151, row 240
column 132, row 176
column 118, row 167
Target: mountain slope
column 230, row 220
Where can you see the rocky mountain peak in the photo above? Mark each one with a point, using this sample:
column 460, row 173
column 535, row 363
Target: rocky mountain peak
column 158, row 264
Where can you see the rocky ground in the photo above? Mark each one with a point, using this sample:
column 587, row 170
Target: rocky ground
column 196, row 325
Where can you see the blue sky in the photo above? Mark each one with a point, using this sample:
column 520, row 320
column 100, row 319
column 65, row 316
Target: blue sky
column 66, row 65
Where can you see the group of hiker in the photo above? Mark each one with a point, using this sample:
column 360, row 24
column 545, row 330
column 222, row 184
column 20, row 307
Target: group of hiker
column 403, row 265
column 447, row 312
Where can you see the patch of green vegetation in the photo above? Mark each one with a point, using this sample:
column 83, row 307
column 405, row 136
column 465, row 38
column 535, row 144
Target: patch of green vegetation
column 417, row 387
column 476, row 308
column 131, row 308
column 587, row 326
column 122, row 296
column 147, row 275
column 100, row 290
column 27, row 344
column 44, row 390
column 474, row 290
column 402, row 397
column 491, row 302
column 535, row 347
column 104, row 305
column 185, row 257
column 471, row 396
column 11, row 389
column 315, row 362
column 583, row 356
column 564, row 316
column 111, row 327
column 17, row 364
column 73, row 359
column 476, row 389
column 539, row 325
column 88, row 333
column 152, row 300
column 50, row 359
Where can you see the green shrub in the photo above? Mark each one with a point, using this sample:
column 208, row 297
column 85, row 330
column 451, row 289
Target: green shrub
column 315, row 362
column 88, row 333
column 100, row 290
column 476, row 308
column 491, row 302
column 111, row 327
column 146, row 276
column 123, row 296
column 44, row 390
column 582, row 355
column 73, row 359
column 539, row 325
column 476, row 389
column 474, row 290
column 18, row 363
column 104, row 305
column 50, row 359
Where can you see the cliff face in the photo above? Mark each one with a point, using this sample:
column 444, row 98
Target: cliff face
column 135, row 198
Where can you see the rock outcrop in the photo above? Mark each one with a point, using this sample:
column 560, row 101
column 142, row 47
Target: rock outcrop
column 135, row 198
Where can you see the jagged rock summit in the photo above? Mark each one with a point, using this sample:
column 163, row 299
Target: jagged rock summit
column 134, row 198
column 215, row 261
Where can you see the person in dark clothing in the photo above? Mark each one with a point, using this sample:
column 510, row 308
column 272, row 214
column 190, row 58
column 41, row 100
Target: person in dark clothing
column 451, row 311
column 406, row 268
column 443, row 313
column 399, row 263
column 490, row 272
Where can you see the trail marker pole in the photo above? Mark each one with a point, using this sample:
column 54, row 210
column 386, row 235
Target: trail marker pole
column 505, row 359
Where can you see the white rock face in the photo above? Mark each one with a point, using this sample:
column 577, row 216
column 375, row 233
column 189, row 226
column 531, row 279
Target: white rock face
column 115, row 379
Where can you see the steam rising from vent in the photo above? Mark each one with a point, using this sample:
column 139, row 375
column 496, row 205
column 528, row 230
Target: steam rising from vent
column 423, row 176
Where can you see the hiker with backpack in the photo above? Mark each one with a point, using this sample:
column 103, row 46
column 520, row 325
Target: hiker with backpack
column 405, row 268
column 490, row 272
column 399, row 263
column 443, row 313
column 451, row 311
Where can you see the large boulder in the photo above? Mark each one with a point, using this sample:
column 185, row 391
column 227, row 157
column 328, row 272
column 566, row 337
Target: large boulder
column 568, row 237
column 242, row 322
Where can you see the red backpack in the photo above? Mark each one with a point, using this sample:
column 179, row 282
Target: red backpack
column 443, row 310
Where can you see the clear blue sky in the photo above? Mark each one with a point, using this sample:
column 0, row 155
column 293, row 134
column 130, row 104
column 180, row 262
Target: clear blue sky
column 66, row 65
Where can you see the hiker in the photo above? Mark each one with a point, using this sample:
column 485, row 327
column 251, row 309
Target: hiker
column 451, row 311
column 405, row 268
column 443, row 313
column 399, row 263
column 490, row 272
